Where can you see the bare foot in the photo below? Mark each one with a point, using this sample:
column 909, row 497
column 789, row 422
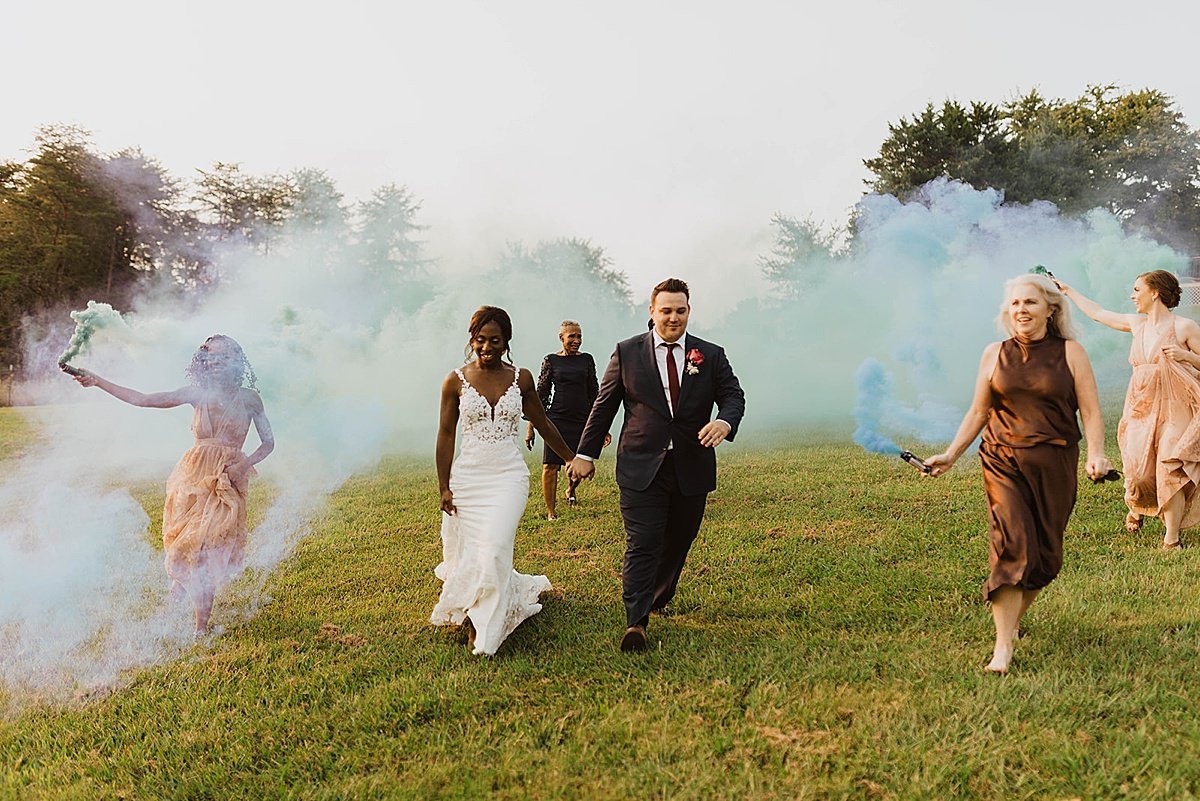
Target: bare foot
column 551, row 517
column 1000, row 660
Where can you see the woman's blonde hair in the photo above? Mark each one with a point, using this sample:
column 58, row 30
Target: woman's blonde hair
column 1059, row 323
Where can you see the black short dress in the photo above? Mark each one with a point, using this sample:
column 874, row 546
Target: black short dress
column 567, row 386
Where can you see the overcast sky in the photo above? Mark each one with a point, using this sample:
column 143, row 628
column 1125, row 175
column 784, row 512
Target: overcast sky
column 666, row 132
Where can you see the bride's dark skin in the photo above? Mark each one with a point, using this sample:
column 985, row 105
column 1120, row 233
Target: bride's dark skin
column 491, row 377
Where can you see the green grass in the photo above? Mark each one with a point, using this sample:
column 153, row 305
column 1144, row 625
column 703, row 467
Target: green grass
column 15, row 433
column 827, row 642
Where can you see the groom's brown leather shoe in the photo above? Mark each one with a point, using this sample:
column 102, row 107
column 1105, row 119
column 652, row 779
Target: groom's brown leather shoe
column 634, row 639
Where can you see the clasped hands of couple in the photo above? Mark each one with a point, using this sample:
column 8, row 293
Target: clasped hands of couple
column 712, row 435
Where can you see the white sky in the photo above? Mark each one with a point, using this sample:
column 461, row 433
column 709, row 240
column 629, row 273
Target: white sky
column 666, row 132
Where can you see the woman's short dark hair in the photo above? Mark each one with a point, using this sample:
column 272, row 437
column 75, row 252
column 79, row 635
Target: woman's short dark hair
column 1165, row 284
column 670, row 285
column 491, row 314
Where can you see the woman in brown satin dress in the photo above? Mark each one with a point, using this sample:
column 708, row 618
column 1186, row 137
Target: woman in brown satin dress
column 1027, row 392
column 1159, row 433
column 204, row 516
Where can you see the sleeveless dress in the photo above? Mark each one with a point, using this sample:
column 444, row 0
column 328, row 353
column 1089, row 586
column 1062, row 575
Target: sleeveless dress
column 567, row 386
column 204, row 515
column 490, row 482
column 1159, row 432
column 1030, row 459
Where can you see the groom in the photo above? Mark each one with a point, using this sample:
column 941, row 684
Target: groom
column 668, row 382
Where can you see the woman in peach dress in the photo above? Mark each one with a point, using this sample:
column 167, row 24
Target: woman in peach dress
column 1159, row 432
column 204, row 516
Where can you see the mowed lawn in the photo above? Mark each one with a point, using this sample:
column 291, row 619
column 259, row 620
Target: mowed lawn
column 828, row 641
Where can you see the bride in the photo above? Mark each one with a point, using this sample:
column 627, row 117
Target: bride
column 485, row 489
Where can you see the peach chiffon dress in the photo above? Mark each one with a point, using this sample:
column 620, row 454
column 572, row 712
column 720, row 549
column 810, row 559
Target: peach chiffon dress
column 1159, row 432
column 204, row 517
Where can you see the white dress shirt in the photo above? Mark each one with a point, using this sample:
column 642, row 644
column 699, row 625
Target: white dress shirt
column 660, row 358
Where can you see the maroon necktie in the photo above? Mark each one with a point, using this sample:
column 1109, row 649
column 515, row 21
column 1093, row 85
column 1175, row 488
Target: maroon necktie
column 672, row 378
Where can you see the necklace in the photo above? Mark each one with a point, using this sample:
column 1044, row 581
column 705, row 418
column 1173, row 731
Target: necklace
column 1160, row 332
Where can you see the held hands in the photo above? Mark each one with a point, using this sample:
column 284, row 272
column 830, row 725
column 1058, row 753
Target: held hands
column 529, row 438
column 714, row 433
column 580, row 469
column 607, row 440
column 448, row 502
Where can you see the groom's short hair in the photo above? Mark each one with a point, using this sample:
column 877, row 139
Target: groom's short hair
column 670, row 285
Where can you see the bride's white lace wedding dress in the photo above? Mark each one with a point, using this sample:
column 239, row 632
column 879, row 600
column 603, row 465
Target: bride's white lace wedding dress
column 490, row 482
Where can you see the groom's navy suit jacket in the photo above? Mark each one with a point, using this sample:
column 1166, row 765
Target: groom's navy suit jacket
column 632, row 379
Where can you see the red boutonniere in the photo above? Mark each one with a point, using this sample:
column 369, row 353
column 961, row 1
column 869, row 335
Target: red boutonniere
column 694, row 359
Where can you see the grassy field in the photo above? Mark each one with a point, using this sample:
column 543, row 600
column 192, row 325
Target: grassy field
column 827, row 642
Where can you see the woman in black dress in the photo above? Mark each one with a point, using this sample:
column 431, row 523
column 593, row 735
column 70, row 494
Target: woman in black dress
column 567, row 386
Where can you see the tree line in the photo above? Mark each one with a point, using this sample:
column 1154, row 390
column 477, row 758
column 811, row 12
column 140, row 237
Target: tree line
column 76, row 224
column 1129, row 152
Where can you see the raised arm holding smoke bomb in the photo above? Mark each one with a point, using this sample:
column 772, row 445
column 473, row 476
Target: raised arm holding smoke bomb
column 1027, row 393
column 1158, row 440
column 204, row 515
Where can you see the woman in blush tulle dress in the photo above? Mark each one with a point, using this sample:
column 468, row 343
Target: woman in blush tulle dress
column 484, row 490
column 1159, row 432
column 204, row 516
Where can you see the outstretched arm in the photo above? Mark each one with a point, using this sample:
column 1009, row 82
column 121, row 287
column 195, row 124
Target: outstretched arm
column 532, row 406
column 975, row 418
column 1121, row 322
column 153, row 400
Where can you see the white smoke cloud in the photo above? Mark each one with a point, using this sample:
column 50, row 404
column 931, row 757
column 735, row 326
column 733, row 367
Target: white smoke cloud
column 347, row 376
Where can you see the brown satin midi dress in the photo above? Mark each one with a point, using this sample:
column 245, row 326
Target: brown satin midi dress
column 1030, row 458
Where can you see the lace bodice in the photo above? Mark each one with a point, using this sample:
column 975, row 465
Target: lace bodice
column 483, row 424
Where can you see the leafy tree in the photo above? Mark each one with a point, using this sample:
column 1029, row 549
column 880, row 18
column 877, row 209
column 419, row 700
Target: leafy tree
column 1131, row 153
column 968, row 143
column 389, row 247
column 63, row 232
column 802, row 254
column 563, row 262
column 314, row 204
column 243, row 208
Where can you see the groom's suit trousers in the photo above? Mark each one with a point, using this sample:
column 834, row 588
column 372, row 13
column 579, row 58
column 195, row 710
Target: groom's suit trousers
column 660, row 525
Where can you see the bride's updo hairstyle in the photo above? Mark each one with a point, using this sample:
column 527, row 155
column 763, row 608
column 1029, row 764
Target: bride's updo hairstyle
column 1059, row 323
column 490, row 314
column 1165, row 284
